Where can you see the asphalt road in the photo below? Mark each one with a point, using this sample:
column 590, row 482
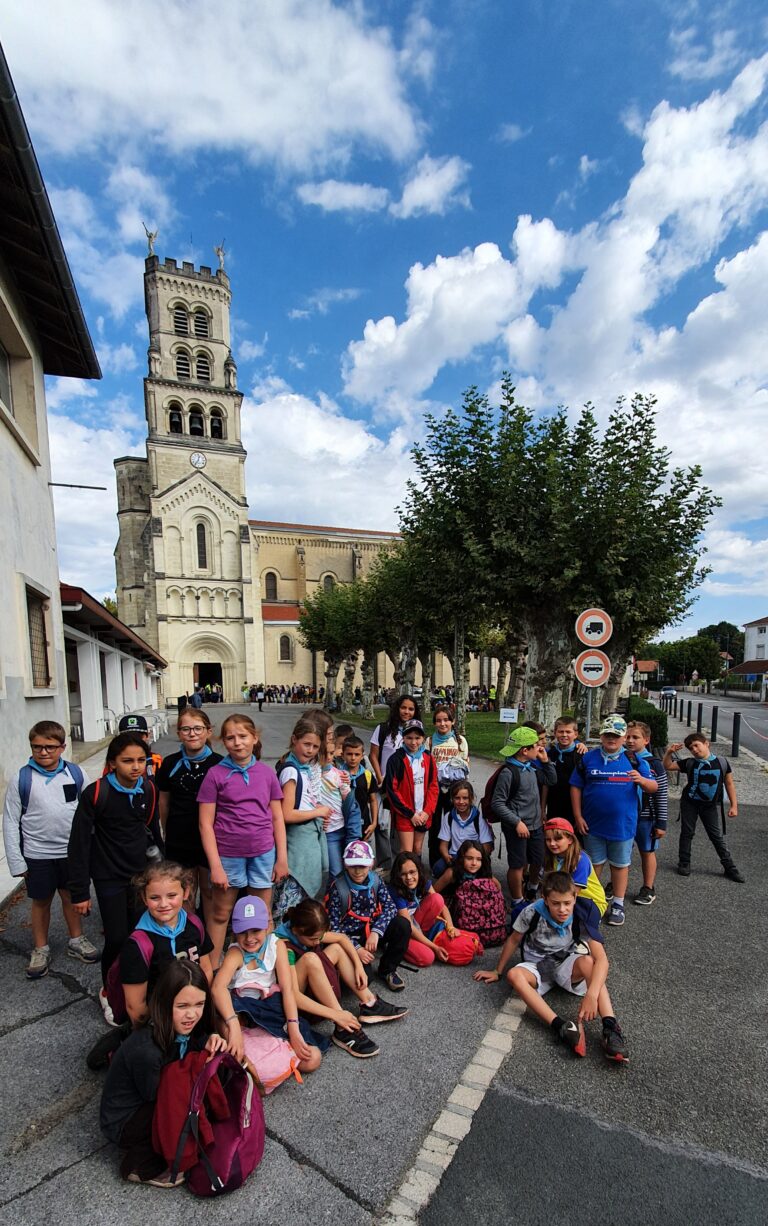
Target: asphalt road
column 754, row 720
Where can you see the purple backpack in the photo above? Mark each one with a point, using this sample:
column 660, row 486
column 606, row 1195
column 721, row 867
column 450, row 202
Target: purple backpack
column 238, row 1142
column 478, row 906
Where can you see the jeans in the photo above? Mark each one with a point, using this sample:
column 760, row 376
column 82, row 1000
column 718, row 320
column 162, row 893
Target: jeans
column 337, row 841
column 712, row 821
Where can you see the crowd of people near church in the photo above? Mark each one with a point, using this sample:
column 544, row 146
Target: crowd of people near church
column 265, row 914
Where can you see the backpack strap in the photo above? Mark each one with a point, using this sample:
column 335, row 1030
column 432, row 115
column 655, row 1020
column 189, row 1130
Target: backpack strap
column 197, row 924
column 25, row 787
column 144, row 942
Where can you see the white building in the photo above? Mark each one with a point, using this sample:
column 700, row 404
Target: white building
column 42, row 331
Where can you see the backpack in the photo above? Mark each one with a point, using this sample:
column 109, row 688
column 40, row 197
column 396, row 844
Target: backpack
column 461, row 949
column 238, row 1141
column 455, row 770
column 490, row 787
column 25, row 782
column 478, row 906
column 113, row 986
column 273, row 1060
column 286, row 894
column 345, row 894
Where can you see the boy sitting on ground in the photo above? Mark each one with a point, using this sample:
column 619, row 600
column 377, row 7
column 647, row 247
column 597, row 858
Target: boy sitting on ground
column 551, row 934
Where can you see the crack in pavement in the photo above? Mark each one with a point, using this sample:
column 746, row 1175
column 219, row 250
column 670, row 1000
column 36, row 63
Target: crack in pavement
column 297, row 1155
column 52, row 1175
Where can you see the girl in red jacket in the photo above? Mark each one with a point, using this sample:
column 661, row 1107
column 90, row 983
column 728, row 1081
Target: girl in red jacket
column 411, row 788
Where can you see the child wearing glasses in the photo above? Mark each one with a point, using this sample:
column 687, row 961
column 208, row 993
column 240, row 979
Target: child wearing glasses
column 39, row 807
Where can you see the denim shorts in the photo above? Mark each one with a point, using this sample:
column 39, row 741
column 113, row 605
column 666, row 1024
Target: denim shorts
column 253, row 871
column 644, row 836
column 618, row 852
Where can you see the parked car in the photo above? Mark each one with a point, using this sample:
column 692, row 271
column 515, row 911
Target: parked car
column 668, row 691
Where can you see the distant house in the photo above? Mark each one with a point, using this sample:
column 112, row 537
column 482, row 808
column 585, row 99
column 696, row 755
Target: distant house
column 42, row 331
column 755, row 656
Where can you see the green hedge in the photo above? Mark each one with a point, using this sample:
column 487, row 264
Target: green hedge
column 647, row 713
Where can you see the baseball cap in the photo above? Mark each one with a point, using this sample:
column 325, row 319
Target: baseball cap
column 519, row 738
column 414, row 725
column 358, row 854
column 249, row 912
column 613, row 725
column 559, row 823
column 133, row 723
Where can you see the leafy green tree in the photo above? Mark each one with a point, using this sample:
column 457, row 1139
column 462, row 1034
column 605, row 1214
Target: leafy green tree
column 680, row 658
column 327, row 625
column 110, row 604
column 728, row 638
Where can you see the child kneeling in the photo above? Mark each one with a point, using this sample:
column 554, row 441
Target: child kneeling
column 550, row 933
column 361, row 907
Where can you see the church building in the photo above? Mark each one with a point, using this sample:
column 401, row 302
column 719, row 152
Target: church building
column 215, row 593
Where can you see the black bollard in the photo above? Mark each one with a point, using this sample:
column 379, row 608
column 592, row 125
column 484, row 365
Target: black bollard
column 736, row 734
column 713, row 728
column 699, row 716
column 690, row 705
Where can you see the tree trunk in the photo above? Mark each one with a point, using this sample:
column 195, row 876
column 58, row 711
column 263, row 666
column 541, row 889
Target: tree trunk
column 425, row 660
column 550, row 651
column 350, row 667
column 404, row 667
column 459, row 681
column 366, row 670
column 501, row 681
column 332, row 666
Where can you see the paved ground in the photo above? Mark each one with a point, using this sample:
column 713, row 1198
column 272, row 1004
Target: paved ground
column 679, row 1137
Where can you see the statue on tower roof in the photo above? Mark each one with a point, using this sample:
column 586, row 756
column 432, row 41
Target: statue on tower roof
column 220, row 252
column 151, row 236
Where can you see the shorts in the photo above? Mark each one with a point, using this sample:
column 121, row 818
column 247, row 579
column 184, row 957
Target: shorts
column 524, row 851
column 561, row 976
column 45, row 877
column 618, row 852
column 252, row 871
column 404, row 825
column 644, row 836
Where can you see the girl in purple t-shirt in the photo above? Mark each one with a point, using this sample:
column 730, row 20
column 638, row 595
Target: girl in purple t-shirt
column 241, row 826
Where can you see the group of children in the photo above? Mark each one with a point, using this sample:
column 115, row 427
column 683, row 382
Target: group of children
column 152, row 837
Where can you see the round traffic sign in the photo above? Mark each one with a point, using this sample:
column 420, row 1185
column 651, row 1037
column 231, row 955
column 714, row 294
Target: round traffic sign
column 592, row 667
column 594, row 627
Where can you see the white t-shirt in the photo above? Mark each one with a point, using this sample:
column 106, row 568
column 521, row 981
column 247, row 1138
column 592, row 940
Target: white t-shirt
column 310, row 785
column 417, row 766
column 387, row 747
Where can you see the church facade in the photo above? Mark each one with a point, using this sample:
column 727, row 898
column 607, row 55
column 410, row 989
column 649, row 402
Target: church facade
column 215, row 593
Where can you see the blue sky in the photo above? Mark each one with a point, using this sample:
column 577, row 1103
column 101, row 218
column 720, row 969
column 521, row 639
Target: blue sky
column 413, row 198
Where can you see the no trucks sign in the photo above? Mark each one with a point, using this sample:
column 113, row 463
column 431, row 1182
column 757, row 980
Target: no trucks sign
column 594, row 627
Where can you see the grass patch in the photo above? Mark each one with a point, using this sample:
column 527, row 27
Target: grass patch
column 485, row 735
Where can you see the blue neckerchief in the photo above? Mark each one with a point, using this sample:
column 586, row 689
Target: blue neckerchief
column 49, row 776
column 237, row 769
column 470, row 876
column 611, row 757
column 360, row 771
column 561, row 929
column 258, row 955
column 285, row 932
column 364, row 885
column 147, row 924
column 292, row 760
column 186, row 759
column 698, row 788
column 136, row 790
column 439, row 738
column 643, row 753
column 523, row 766
column 183, row 1042
column 416, row 753
column 562, row 753
column 471, row 820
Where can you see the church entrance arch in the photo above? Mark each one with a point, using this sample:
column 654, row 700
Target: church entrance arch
column 209, row 659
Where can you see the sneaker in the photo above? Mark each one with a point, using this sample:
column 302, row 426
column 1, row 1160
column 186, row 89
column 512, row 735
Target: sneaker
column 159, row 1181
column 106, row 1009
column 733, row 874
column 80, row 947
column 380, row 1011
column 531, row 894
column 39, row 961
column 104, row 1048
column 356, row 1042
column 645, row 896
column 608, row 891
column 394, row 982
column 614, row 1045
column 615, row 916
column 684, row 870
column 569, row 1034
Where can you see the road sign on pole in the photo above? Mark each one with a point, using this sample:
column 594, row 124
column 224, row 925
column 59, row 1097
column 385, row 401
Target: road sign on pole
column 594, row 627
column 592, row 667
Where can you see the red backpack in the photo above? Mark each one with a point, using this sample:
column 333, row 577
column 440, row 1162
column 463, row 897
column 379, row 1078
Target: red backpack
column 478, row 906
column 238, row 1141
column 490, row 787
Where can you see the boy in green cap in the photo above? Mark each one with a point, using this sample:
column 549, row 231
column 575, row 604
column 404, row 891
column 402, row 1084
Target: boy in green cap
column 516, row 804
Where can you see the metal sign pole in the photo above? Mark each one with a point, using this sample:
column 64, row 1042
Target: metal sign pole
column 589, row 714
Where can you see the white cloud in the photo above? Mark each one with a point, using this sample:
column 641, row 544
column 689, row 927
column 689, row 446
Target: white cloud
column 418, row 53
column 322, row 300
column 59, row 390
column 334, row 196
column 248, row 351
column 140, row 199
column 695, row 61
column 436, row 185
column 299, row 84
column 509, row 133
column 116, row 359
column 288, row 433
column 587, row 167
column 741, row 561
column 86, row 520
